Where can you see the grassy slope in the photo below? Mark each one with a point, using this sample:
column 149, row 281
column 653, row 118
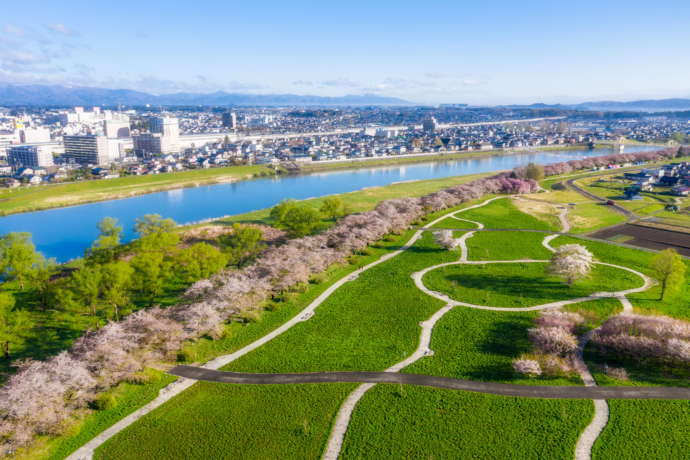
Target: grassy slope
column 644, row 302
column 367, row 199
column 507, row 246
column 640, row 429
column 49, row 196
column 129, row 398
column 338, row 337
column 521, row 284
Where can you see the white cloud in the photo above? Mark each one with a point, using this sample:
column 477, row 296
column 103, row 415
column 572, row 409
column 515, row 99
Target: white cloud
column 11, row 29
column 60, row 29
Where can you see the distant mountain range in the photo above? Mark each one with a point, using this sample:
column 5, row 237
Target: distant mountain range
column 57, row 95
column 11, row 95
column 646, row 105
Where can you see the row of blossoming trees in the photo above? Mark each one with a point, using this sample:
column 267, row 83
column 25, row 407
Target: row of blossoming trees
column 42, row 396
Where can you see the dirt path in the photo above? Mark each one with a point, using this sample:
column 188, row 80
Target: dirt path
column 87, row 450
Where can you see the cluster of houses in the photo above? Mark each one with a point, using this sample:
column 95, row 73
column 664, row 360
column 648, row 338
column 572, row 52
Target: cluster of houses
column 674, row 177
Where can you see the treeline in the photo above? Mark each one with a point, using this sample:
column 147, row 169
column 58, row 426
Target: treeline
column 112, row 279
column 619, row 159
column 43, row 395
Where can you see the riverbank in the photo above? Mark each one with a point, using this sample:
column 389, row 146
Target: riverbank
column 28, row 199
column 427, row 157
column 41, row 197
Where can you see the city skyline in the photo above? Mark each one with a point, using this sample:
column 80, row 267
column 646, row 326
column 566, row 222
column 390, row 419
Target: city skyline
column 423, row 53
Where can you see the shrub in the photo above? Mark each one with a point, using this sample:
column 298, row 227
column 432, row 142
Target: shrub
column 104, row 401
column 555, row 340
column 528, row 367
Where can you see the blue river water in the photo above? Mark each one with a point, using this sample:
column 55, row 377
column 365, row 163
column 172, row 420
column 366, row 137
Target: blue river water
column 64, row 233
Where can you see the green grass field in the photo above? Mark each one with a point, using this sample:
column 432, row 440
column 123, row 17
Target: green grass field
column 372, row 323
column 521, row 284
column 644, row 302
column 507, row 246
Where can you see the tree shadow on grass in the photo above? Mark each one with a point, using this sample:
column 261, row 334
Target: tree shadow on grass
column 515, row 286
column 506, row 339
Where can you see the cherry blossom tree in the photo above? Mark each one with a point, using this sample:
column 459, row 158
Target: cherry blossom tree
column 571, row 262
column 444, row 238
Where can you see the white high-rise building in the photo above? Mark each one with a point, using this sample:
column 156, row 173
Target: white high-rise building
column 116, row 128
column 169, row 131
column 87, row 150
column 34, row 135
column 166, row 126
column 30, row 156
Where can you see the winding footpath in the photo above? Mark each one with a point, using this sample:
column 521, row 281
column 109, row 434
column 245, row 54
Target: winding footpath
column 209, row 371
column 86, row 451
column 342, row 419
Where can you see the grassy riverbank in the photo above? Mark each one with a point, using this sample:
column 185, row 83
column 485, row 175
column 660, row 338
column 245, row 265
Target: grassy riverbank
column 27, row 199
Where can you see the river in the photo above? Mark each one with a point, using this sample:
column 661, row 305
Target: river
column 64, row 233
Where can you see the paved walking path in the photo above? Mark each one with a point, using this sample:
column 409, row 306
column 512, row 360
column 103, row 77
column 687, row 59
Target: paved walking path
column 394, row 377
column 87, row 450
column 342, row 419
column 189, row 375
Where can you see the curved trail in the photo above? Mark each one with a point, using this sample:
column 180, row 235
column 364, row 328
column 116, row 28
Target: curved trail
column 86, row 451
column 502, row 389
column 590, row 434
column 189, row 375
column 342, row 419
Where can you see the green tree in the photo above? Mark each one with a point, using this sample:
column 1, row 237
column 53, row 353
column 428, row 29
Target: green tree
column 299, row 221
column 40, row 279
column 332, row 208
column 242, row 244
column 200, row 260
column 17, row 257
column 156, row 233
column 84, row 289
column 150, row 275
column 534, row 171
column 279, row 211
column 116, row 279
column 104, row 249
column 670, row 269
column 14, row 324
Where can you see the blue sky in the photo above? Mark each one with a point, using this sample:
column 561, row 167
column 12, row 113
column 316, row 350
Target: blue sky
column 490, row 52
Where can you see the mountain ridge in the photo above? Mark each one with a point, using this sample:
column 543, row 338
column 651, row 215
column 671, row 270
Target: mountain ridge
column 59, row 95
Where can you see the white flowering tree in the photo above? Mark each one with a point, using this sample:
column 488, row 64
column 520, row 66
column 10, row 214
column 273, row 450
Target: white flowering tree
column 571, row 262
column 444, row 238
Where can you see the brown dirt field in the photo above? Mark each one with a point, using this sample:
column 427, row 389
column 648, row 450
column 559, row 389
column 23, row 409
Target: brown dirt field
column 648, row 237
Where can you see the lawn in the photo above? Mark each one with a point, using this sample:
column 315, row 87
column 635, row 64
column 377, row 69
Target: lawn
column 647, row 302
column 645, row 429
column 367, row 198
column 373, row 322
column 507, row 246
column 588, row 217
column 504, row 214
column 416, row 422
column 521, row 284
column 338, row 337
